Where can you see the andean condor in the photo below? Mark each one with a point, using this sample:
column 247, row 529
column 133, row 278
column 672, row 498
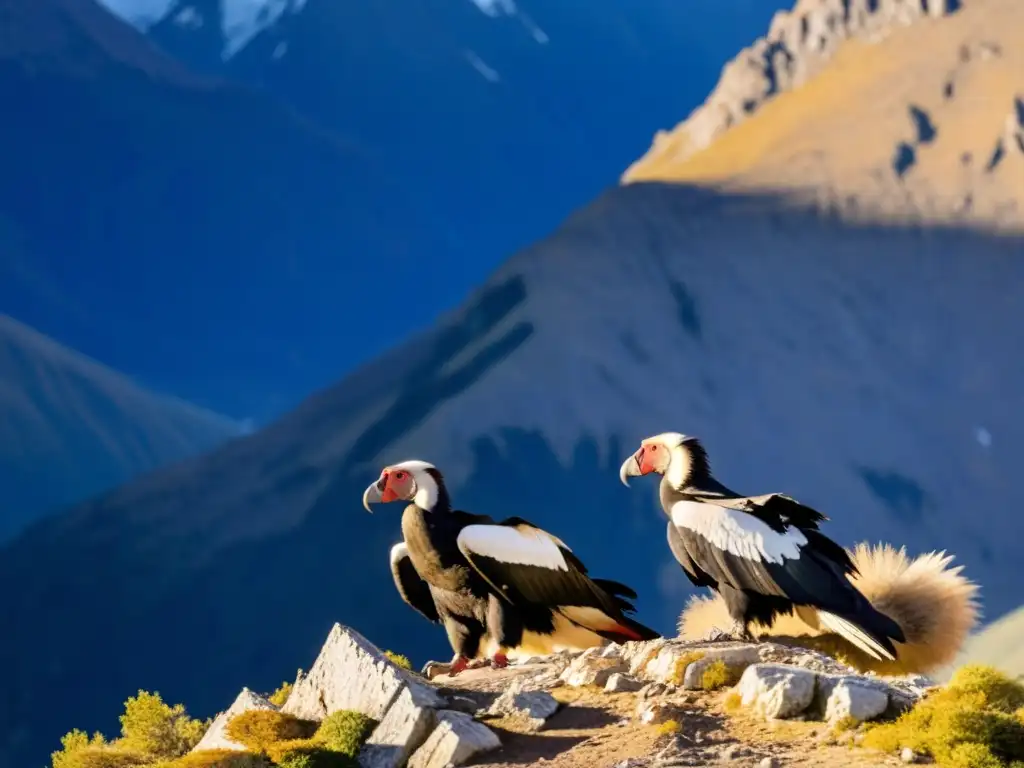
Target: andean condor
column 496, row 587
column 763, row 554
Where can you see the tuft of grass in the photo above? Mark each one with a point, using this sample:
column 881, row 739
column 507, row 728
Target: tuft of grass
column 718, row 674
column 679, row 668
column 971, row 723
column 258, row 729
column 217, row 758
column 399, row 660
column 847, row 723
column 345, row 731
column 668, row 728
column 732, row 702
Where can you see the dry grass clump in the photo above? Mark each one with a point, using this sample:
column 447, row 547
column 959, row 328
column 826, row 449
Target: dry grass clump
column 718, row 674
column 679, row 668
column 257, row 729
column 217, row 758
column 976, row 721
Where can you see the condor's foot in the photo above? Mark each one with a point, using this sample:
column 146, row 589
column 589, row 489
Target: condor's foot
column 499, row 661
column 459, row 664
column 737, row 632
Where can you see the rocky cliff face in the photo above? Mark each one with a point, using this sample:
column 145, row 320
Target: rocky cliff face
column 873, row 110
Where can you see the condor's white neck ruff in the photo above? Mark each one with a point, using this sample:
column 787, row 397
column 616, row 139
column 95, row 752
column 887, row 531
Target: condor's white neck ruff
column 426, row 487
column 680, row 463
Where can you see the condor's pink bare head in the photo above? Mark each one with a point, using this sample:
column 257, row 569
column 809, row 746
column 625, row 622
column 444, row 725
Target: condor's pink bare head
column 675, row 456
column 414, row 480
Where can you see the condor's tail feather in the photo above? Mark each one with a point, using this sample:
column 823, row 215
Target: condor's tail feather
column 934, row 605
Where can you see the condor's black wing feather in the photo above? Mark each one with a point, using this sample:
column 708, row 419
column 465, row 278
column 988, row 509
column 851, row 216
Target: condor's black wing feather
column 413, row 589
column 524, row 564
column 693, row 571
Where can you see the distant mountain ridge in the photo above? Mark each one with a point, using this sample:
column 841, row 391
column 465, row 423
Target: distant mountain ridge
column 71, row 428
column 343, row 136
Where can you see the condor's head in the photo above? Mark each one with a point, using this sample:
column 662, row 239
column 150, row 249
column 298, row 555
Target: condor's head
column 414, row 480
column 679, row 458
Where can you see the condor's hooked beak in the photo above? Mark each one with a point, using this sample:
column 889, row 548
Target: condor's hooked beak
column 374, row 494
column 631, row 467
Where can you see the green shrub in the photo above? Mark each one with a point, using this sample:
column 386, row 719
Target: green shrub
column 345, row 731
column 71, row 744
column 399, row 660
column 257, row 729
column 152, row 728
column 971, row 723
column 216, row 758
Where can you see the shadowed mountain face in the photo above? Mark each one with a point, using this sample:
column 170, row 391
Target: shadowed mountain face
column 182, row 210
column 70, row 428
column 848, row 366
column 250, row 238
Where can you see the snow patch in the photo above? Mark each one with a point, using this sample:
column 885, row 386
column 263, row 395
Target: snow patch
column 189, row 18
column 141, row 14
column 495, row 8
column 244, row 19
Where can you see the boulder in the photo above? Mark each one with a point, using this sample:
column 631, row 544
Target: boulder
column 350, row 673
column 216, row 735
column 404, row 727
column 592, row 668
column 853, row 697
column 531, row 707
column 456, row 739
column 619, row 682
column 777, row 690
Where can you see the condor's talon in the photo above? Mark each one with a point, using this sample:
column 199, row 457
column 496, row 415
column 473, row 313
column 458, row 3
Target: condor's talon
column 461, row 664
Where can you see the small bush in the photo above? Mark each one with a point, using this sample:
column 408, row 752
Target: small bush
column 969, row 724
column 217, row 758
column 345, row 731
column 99, row 757
column 152, row 728
column 308, row 753
column 280, row 696
column 399, row 660
column 718, row 674
column 257, row 729
column 668, row 728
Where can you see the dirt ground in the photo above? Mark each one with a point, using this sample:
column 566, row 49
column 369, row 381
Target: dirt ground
column 595, row 729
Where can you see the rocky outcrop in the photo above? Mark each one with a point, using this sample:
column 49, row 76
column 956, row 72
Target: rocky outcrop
column 444, row 722
column 799, row 44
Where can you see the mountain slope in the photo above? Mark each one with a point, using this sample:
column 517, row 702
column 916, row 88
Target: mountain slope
column 860, row 382
column 70, row 428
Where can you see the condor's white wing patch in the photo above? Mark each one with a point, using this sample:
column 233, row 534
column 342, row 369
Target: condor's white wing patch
column 738, row 533
column 521, row 545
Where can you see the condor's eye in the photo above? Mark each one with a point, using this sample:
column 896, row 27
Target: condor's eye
column 399, row 475
column 652, row 448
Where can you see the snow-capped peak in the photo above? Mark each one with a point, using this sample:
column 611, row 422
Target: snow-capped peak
column 242, row 20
